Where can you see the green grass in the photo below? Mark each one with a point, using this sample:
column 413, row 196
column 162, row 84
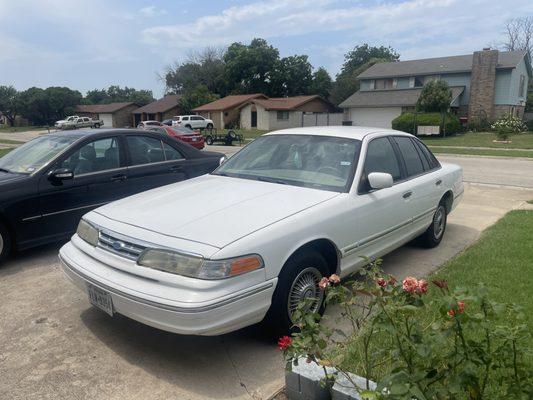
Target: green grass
column 483, row 152
column 250, row 134
column 530, row 201
column 8, row 141
column 3, row 152
column 9, row 129
column 481, row 139
column 502, row 260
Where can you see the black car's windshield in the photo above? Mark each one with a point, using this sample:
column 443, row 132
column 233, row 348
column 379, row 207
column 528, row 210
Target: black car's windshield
column 33, row 155
column 321, row 162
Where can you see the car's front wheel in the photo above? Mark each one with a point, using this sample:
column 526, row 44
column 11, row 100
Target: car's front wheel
column 209, row 126
column 298, row 281
column 5, row 243
column 435, row 232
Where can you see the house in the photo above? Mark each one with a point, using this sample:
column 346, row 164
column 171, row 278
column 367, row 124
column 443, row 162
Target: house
column 114, row 115
column 484, row 85
column 158, row 110
column 225, row 112
column 281, row 112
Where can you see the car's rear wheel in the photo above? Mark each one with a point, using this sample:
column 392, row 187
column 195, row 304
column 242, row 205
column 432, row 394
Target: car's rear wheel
column 434, row 234
column 97, row 126
column 297, row 282
column 188, row 126
column 5, row 243
column 209, row 140
column 209, row 126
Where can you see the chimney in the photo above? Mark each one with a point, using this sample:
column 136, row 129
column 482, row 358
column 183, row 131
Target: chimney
column 482, row 84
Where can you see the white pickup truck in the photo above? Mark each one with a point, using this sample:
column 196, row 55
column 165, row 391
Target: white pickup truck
column 76, row 122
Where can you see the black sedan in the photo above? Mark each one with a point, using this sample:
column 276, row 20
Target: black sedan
column 47, row 184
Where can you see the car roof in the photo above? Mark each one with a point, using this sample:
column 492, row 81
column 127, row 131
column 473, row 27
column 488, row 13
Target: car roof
column 351, row 132
column 81, row 133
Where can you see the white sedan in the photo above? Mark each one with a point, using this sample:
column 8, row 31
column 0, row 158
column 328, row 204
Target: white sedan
column 252, row 239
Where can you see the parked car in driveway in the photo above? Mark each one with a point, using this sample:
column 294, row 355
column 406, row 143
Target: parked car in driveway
column 75, row 122
column 146, row 124
column 47, row 184
column 194, row 138
column 193, row 121
column 261, row 231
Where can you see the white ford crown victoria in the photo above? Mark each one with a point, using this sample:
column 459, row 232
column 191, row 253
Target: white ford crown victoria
column 222, row 251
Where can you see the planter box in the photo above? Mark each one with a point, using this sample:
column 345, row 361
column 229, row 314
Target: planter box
column 303, row 382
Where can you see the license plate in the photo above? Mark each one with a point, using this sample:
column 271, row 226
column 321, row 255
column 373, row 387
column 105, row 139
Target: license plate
column 100, row 298
column 194, row 139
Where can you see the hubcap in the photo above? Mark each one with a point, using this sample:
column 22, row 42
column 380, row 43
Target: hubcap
column 305, row 286
column 438, row 222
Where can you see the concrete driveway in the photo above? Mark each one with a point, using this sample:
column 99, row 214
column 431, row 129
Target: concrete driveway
column 55, row 346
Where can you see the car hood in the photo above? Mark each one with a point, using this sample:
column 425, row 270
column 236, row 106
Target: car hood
column 213, row 210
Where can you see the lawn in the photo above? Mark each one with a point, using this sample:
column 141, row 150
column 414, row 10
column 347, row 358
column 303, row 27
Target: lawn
column 481, row 139
column 8, row 141
column 3, row 152
column 483, row 152
column 501, row 260
column 9, row 129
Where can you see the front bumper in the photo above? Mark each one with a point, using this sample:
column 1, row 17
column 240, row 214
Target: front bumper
column 232, row 312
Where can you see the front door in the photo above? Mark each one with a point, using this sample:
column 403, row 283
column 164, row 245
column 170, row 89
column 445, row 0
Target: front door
column 99, row 177
column 254, row 119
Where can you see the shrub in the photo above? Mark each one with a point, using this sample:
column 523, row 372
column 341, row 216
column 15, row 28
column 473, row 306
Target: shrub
column 435, row 97
column 529, row 125
column 456, row 345
column 506, row 125
column 406, row 122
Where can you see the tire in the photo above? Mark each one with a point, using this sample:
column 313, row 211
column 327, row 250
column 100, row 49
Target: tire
column 5, row 243
column 97, row 126
column 209, row 140
column 299, row 268
column 209, row 126
column 232, row 135
column 188, row 126
column 434, row 234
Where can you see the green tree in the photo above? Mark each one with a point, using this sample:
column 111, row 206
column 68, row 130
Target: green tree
column 436, row 96
column 292, row 76
column 44, row 106
column 9, row 103
column 192, row 99
column 322, row 83
column 116, row 94
column 251, row 68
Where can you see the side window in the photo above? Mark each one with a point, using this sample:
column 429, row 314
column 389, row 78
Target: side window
column 171, row 153
column 413, row 163
column 185, row 118
column 432, row 160
column 145, row 150
column 380, row 157
column 99, row 155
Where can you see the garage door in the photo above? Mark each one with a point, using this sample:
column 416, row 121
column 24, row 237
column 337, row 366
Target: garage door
column 376, row 117
column 108, row 120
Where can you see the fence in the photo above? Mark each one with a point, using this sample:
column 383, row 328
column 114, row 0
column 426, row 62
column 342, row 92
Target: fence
column 322, row 119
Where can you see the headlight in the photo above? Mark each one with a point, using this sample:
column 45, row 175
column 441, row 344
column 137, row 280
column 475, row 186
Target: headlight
column 88, row 232
column 197, row 267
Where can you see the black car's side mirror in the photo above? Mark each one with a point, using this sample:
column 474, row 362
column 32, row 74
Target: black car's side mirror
column 60, row 174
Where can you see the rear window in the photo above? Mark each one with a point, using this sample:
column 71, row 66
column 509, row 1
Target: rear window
column 431, row 159
column 413, row 162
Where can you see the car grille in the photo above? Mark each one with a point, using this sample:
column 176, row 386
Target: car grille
column 119, row 246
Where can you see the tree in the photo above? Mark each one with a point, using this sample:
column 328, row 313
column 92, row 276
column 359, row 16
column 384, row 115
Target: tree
column 201, row 68
column 250, row 68
column 436, row 96
column 519, row 34
column 9, row 103
column 322, row 83
column 292, row 76
column 44, row 106
column 192, row 99
column 355, row 62
column 116, row 94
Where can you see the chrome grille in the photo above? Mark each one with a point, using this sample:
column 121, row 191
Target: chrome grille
column 119, row 246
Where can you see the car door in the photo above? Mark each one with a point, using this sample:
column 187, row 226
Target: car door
column 153, row 162
column 423, row 182
column 99, row 177
column 198, row 122
column 381, row 217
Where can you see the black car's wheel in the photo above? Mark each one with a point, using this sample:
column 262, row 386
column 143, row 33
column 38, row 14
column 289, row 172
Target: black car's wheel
column 5, row 243
column 434, row 234
column 209, row 126
column 297, row 281
column 209, row 140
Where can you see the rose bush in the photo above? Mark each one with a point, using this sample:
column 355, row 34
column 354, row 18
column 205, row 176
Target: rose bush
column 448, row 344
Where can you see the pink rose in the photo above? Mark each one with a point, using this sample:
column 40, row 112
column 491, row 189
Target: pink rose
column 334, row 279
column 410, row 284
column 422, row 286
column 324, row 283
column 460, row 309
column 381, row 282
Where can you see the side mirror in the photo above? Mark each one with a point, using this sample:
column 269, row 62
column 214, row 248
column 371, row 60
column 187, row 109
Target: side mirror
column 379, row 180
column 61, row 174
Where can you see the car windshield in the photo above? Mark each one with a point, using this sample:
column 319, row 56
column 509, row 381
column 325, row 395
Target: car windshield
column 33, row 155
column 320, row 162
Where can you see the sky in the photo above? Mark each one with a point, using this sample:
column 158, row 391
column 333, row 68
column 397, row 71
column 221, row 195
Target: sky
column 88, row 44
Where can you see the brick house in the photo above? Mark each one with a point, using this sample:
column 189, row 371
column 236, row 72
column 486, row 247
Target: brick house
column 158, row 110
column 114, row 115
column 484, row 84
column 281, row 112
column 225, row 112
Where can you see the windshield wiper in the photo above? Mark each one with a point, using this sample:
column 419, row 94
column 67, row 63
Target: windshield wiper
column 271, row 180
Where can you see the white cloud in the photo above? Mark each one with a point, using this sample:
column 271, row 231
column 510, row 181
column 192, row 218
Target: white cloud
column 152, row 11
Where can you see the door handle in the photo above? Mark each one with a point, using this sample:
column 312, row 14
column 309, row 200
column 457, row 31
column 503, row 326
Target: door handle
column 438, row 182
column 176, row 168
column 408, row 194
column 119, row 178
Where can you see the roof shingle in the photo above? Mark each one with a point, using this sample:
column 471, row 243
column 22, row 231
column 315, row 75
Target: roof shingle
column 166, row 103
column 231, row 101
column 102, row 108
column 285, row 103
